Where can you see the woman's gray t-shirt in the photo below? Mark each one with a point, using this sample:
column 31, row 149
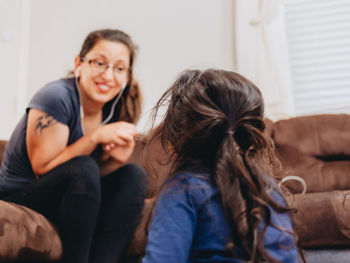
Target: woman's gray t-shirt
column 59, row 99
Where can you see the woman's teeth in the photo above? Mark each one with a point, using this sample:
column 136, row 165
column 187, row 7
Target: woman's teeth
column 104, row 88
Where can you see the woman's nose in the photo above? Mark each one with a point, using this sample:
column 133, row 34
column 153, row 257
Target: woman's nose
column 108, row 74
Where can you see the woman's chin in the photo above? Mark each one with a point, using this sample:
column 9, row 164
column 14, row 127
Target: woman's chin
column 103, row 98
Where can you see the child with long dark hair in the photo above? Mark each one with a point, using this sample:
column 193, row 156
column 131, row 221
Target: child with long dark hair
column 220, row 203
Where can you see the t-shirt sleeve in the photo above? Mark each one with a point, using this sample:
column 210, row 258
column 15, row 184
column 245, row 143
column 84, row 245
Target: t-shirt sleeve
column 54, row 100
column 173, row 226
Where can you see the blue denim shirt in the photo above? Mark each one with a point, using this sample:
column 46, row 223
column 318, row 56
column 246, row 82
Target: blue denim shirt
column 188, row 225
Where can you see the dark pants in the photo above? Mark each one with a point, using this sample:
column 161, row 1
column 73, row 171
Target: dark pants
column 96, row 216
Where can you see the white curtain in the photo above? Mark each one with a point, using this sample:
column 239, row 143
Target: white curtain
column 261, row 53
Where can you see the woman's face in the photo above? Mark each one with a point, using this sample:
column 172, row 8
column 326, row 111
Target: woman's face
column 103, row 71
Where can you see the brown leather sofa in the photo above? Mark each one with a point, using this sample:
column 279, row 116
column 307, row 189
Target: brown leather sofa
column 315, row 148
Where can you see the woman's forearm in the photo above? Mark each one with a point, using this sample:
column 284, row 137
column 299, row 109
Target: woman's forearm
column 83, row 146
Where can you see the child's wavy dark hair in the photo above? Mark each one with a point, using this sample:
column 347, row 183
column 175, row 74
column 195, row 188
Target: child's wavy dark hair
column 214, row 120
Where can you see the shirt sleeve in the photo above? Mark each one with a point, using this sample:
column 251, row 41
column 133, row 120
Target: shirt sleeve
column 54, row 100
column 173, row 226
column 279, row 239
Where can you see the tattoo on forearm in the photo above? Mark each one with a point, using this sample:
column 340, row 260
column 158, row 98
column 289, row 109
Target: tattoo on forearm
column 43, row 122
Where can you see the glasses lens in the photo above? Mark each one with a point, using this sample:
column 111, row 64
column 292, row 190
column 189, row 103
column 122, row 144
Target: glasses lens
column 98, row 65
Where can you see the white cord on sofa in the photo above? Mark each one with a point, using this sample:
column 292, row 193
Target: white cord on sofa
column 296, row 178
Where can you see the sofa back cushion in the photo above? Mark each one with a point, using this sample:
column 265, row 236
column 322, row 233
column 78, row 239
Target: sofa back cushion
column 325, row 136
column 316, row 148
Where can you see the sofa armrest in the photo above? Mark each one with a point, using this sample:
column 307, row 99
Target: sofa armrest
column 26, row 235
column 2, row 149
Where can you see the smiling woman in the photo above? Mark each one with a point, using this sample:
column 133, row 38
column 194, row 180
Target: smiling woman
column 75, row 130
column 99, row 84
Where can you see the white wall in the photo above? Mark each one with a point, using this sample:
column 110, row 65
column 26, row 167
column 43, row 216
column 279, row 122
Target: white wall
column 9, row 64
column 171, row 35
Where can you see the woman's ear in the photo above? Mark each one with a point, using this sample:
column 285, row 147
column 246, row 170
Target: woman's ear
column 77, row 72
column 77, row 63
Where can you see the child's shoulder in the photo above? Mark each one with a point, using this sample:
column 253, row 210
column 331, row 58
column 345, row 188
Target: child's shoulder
column 188, row 178
column 196, row 187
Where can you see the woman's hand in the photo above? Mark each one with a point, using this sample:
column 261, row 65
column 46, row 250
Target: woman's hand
column 119, row 133
column 118, row 140
column 120, row 153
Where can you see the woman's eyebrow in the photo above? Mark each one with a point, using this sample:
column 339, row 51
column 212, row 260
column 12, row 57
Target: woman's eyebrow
column 101, row 56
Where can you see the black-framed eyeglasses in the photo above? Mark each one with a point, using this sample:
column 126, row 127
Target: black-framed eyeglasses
column 100, row 66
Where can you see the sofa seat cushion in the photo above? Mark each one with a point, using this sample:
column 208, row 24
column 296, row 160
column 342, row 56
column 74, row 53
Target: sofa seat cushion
column 319, row 175
column 26, row 235
column 322, row 219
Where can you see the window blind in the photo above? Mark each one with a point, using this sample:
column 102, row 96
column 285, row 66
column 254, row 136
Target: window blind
column 318, row 37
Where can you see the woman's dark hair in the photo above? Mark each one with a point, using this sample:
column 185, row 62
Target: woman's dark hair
column 214, row 120
column 130, row 108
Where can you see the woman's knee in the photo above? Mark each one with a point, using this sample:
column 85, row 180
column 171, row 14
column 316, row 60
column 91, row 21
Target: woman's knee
column 135, row 172
column 135, row 176
column 84, row 177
